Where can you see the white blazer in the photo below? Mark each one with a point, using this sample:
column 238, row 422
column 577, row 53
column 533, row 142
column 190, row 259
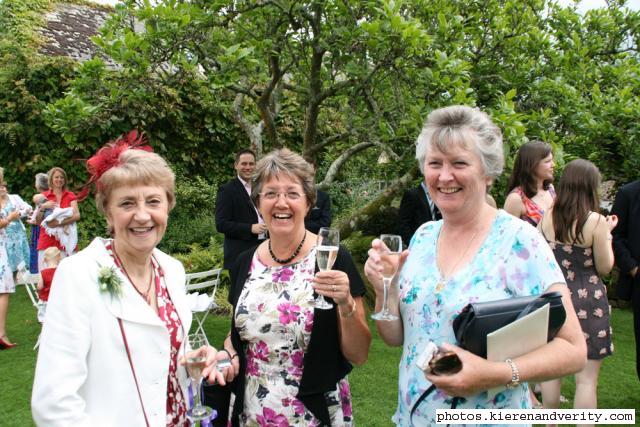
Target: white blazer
column 83, row 376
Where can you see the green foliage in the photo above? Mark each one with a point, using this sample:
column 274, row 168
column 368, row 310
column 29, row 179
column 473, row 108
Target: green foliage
column 192, row 221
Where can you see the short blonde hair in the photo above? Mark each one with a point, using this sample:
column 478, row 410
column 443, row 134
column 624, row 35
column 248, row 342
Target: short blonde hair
column 136, row 167
column 467, row 127
column 50, row 176
column 51, row 253
column 284, row 161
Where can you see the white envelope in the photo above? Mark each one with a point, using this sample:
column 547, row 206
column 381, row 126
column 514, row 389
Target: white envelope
column 517, row 338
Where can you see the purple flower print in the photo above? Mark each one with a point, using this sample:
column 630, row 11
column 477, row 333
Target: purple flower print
column 345, row 399
column 308, row 321
column 298, row 407
column 252, row 368
column 282, row 275
column 270, row 418
column 259, row 351
column 288, row 312
column 297, row 359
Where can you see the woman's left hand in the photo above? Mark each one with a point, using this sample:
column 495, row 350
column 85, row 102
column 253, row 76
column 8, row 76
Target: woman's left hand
column 469, row 381
column 333, row 284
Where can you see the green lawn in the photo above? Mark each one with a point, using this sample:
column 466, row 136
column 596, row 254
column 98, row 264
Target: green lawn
column 373, row 385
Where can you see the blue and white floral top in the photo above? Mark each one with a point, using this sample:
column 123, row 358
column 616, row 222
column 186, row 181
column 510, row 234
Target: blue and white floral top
column 514, row 260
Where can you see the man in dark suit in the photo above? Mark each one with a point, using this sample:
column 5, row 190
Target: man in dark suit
column 320, row 215
column 236, row 216
column 416, row 208
column 626, row 246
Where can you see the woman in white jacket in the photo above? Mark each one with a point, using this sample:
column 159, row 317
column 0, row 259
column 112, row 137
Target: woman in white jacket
column 117, row 311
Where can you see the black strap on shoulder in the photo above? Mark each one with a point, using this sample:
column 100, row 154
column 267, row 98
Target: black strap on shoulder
column 423, row 396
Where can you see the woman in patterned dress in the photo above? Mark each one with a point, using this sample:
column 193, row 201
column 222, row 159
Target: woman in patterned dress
column 581, row 240
column 17, row 244
column 7, row 284
column 475, row 253
column 117, row 312
column 290, row 361
column 530, row 186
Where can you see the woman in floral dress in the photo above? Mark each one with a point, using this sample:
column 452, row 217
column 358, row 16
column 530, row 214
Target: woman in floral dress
column 581, row 241
column 290, row 361
column 475, row 253
column 17, row 244
column 7, row 283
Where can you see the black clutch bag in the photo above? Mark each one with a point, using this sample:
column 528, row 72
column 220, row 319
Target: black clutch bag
column 479, row 319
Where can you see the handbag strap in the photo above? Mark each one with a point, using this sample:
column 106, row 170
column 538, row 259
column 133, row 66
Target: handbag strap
column 133, row 371
column 423, row 396
column 529, row 307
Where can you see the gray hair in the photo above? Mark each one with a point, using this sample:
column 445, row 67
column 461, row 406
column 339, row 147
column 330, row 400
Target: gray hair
column 467, row 127
column 42, row 182
column 284, row 161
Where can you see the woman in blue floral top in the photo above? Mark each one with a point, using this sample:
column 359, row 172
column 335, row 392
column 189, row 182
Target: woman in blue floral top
column 475, row 253
column 290, row 361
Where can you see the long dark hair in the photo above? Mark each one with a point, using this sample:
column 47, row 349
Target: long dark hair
column 528, row 157
column 577, row 196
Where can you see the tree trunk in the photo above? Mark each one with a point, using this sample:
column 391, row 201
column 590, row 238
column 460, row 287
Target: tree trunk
column 350, row 224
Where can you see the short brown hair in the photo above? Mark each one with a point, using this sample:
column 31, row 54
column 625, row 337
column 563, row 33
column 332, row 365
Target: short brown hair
column 284, row 161
column 50, row 176
column 136, row 167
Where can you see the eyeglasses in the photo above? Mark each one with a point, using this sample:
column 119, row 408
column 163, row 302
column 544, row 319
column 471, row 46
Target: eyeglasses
column 289, row 195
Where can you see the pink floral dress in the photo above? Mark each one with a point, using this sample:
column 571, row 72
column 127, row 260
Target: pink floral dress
column 274, row 316
column 176, row 404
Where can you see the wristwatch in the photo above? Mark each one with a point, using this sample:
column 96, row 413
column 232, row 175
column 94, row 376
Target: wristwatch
column 515, row 375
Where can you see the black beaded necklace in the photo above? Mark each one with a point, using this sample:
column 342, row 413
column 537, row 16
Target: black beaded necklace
column 293, row 255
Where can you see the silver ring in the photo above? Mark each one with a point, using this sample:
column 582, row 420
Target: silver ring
column 334, row 288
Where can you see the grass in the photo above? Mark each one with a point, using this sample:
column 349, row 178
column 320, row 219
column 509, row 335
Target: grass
column 374, row 385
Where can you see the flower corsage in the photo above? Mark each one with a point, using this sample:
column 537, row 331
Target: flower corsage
column 108, row 281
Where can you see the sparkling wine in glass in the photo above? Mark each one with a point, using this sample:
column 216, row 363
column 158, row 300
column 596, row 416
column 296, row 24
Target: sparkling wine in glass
column 326, row 254
column 389, row 259
column 196, row 357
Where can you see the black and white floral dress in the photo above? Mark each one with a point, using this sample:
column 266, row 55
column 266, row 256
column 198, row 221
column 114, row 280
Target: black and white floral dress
column 588, row 295
column 274, row 317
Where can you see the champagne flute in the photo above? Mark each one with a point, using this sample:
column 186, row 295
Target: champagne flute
column 326, row 254
column 390, row 259
column 196, row 357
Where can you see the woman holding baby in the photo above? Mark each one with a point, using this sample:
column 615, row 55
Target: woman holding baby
column 58, row 228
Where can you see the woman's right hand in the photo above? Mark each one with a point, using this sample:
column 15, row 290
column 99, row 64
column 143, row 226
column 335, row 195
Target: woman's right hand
column 373, row 265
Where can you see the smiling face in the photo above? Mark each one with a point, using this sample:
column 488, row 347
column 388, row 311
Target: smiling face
column 138, row 217
column 57, row 180
column 456, row 180
column 544, row 168
column 283, row 215
column 245, row 166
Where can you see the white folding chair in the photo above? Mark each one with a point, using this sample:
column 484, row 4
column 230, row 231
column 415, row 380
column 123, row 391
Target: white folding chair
column 202, row 303
column 30, row 282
